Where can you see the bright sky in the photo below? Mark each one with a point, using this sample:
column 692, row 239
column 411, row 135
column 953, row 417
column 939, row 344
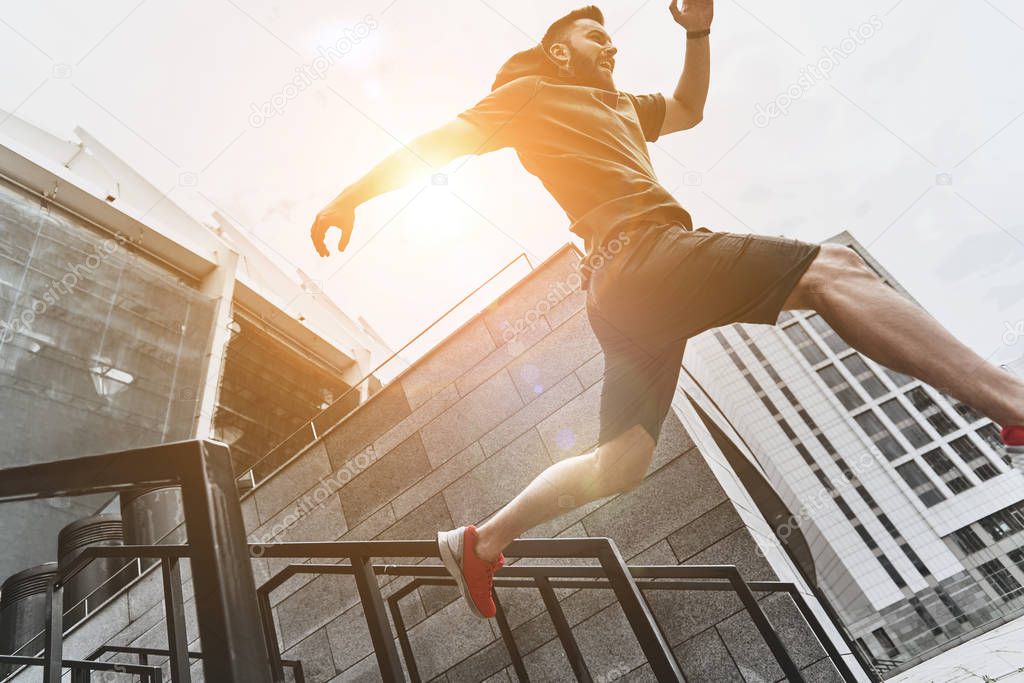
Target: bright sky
column 912, row 142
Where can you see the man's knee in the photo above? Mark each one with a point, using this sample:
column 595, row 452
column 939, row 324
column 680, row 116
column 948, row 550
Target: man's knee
column 835, row 264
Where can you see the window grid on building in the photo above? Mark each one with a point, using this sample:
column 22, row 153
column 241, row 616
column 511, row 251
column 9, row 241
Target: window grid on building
column 949, row 473
column 919, row 482
column 973, row 457
column 1000, row 579
column 931, row 411
column 906, row 423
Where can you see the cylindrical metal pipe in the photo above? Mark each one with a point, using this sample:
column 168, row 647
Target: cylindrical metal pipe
column 153, row 516
column 23, row 610
column 100, row 530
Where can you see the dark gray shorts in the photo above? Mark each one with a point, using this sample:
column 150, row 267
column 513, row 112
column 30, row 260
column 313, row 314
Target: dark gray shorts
column 667, row 284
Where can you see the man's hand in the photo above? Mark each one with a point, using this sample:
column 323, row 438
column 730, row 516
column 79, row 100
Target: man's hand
column 340, row 214
column 696, row 15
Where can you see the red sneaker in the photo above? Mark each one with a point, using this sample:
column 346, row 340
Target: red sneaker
column 1013, row 437
column 475, row 577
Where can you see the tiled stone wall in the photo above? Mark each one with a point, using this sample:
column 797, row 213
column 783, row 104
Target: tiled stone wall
column 450, row 441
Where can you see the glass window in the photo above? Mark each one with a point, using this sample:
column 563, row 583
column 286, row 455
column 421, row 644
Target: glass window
column 1017, row 557
column 974, row 458
column 906, row 423
column 919, row 481
column 1017, row 512
column 1001, row 524
column 886, row 642
column 898, row 378
column 968, row 540
column 969, row 414
column 946, row 470
column 805, row 344
column 834, row 341
column 1001, row 580
column 990, row 434
column 840, row 387
column 935, row 415
column 879, row 434
column 865, row 375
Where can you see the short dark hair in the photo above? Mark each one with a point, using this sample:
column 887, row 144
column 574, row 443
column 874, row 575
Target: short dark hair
column 557, row 31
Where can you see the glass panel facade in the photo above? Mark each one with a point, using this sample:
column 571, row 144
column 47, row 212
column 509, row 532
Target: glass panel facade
column 968, row 541
column 990, row 434
column 898, row 378
column 806, row 345
column 879, row 434
column 1001, row 580
column 865, row 375
column 268, row 390
column 974, row 458
column 920, row 483
column 969, row 414
column 946, row 470
column 100, row 350
column 840, row 387
column 1017, row 557
column 935, row 415
column 1001, row 524
column 834, row 341
column 906, row 423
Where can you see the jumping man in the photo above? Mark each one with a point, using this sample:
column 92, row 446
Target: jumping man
column 660, row 282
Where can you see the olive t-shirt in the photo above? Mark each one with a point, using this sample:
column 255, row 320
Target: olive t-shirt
column 588, row 146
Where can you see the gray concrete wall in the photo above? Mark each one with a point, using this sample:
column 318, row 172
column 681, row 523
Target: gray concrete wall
column 450, row 441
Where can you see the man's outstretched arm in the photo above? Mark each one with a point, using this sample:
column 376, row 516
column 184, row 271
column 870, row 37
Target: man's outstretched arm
column 685, row 109
column 421, row 157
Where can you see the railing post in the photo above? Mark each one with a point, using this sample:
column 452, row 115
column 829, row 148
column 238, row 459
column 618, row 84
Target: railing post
column 53, row 648
column 270, row 634
column 403, row 638
column 509, row 639
column 652, row 640
column 177, row 640
column 564, row 631
column 771, row 637
column 225, row 591
column 819, row 631
column 377, row 619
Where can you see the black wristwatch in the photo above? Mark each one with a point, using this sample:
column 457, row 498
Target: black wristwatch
column 690, row 35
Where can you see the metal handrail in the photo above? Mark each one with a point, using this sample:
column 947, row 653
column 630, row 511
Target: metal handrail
column 613, row 573
column 81, row 669
column 226, row 606
column 144, row 653
column 655, row 575
column 311, row 424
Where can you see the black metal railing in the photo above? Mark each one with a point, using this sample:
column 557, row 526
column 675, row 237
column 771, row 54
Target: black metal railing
column 648, row 577
column 225, row 591
column 144, row 653
column 236, row 623
column 613, row 573
column 81, row 671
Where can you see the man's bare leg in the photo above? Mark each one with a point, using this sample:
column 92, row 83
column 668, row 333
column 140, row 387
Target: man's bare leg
column 615, row 467
column 885, row 326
